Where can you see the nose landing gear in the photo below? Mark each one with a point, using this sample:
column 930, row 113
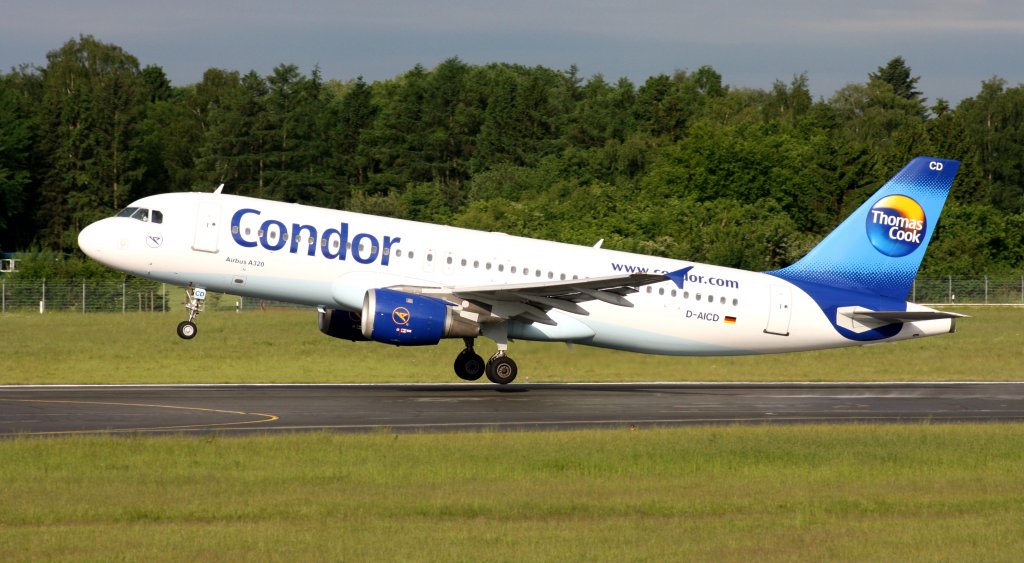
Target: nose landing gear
column 195, row 298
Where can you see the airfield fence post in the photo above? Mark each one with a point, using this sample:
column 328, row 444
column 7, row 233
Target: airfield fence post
column 124, row 295
column 3, row 292
column 83, row 298
column 42, row 302
column 949, row 295
column 986, row 290
column 913, row 291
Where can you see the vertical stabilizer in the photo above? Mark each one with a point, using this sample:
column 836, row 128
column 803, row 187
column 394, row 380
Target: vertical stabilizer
column 878, row 249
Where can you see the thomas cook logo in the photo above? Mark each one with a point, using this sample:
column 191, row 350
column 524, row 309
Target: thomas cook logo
column 401, row 316
column 896, row 225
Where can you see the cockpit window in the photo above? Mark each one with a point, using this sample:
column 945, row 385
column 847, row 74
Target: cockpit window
column 142, row 214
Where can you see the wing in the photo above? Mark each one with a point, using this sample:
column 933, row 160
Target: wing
column 531, row 301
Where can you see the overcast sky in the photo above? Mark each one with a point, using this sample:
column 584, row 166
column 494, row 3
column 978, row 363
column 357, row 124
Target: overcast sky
column 952, row 45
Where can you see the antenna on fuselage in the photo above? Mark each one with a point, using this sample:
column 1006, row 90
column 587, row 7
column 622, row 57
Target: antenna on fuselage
column 219, row 189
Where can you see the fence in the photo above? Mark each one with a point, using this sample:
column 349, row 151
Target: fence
column 134, row 294
column 131, row 295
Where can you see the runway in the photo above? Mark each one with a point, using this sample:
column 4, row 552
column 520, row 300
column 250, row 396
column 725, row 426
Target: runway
column 61, row 410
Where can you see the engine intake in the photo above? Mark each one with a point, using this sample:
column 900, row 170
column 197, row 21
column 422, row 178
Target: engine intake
column 409, row 319
column 341, row 324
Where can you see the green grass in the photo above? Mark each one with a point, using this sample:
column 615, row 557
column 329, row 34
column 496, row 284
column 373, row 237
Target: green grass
column 873, row 493
column 284, row 346
column 849, row 492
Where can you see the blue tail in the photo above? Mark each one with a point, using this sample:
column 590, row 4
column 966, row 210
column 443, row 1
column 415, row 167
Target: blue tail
column 877, row 250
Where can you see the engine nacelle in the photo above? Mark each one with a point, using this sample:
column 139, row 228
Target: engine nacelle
column 341, row 324
column 410, row 319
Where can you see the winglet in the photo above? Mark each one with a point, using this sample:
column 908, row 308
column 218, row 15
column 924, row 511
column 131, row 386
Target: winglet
column 678, row 277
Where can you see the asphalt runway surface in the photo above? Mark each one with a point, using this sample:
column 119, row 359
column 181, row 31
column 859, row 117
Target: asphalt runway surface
column 56, row 410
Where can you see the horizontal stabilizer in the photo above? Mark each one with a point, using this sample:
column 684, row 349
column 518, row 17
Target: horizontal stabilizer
column 858, row 319
column 907, row 316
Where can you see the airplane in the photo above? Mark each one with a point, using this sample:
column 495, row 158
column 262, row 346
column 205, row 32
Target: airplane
column 408, row 283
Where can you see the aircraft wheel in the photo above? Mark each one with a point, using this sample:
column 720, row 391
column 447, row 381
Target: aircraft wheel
column 469, row 365
column 501, row 370
column 187, row 330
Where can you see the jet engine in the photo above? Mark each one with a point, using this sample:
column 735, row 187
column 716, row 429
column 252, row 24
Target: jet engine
column 410, row 319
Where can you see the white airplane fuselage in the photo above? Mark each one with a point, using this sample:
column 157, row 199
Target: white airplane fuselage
column 330, row 259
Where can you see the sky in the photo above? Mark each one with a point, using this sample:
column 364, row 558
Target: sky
column 953, row 45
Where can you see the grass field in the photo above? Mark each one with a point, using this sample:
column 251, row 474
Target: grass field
column 285, row 346
column 810, row 493
column 929, row 492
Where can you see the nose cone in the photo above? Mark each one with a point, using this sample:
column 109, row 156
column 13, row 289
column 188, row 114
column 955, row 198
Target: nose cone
column 102, row 242
column 91, row 240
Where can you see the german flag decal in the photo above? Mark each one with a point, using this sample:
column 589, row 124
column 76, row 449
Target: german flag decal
column 730, row 320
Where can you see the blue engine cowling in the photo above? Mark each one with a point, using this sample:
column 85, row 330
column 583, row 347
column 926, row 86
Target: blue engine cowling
column 341, row 324
column 410, row 319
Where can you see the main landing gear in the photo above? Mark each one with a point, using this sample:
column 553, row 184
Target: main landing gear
column 195, row 298
column 500, row 368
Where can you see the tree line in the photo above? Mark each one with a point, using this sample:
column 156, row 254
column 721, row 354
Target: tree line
column 682, row 165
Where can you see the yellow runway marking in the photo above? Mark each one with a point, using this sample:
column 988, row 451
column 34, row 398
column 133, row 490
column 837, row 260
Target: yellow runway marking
column 266, row 418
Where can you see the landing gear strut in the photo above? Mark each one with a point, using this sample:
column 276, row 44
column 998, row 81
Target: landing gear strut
column 500, row 368
column 194, row 301
column 468, row 364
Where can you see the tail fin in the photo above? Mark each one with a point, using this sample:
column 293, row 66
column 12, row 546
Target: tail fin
column 878, row 249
